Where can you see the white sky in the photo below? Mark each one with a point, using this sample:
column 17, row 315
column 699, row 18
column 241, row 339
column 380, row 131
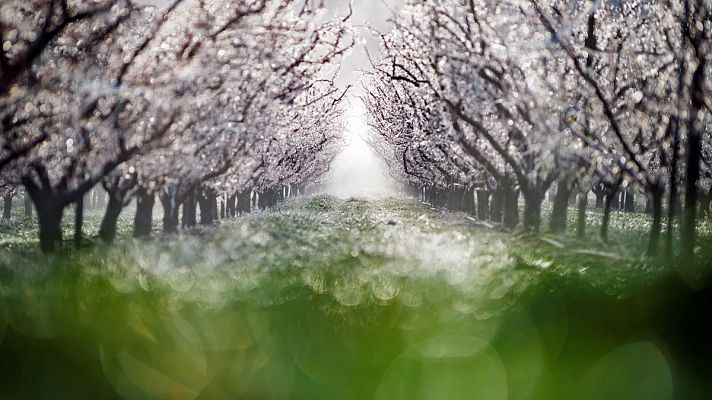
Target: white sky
column 357, row 171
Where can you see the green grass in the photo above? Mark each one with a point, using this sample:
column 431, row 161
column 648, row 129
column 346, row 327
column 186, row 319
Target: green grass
column 323, row 298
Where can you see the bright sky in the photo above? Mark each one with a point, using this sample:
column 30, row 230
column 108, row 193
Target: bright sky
column 357, row 171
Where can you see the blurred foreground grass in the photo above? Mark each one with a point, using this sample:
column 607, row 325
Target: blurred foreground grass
column 330, row 299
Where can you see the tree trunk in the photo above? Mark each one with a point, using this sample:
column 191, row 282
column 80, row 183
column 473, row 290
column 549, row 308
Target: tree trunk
column 232, row 205
column 49, row 218
column 206, row 208
column 214, row 204
column 144, row 213
column 497, row 205
column 259, row 200
column 269, row 198
column 190, row 206
column 629, row 200
column 243, row 202
column 693, row 154
column 107, row 231
column 600, row 197
column 28, row 206
column 657, row 204
column 532, row 209
column 690, row 212
column 482, row 205
column 510, row 202
column 557, row 223
column 615, row 199
column 607, row 214
column 170, row 212
column 78, row 221
column 7, row 207
column 581, row 218
column 672, row 187
column 223, row 207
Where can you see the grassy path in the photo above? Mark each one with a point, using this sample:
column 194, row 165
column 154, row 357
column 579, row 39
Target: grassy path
column 324, row 298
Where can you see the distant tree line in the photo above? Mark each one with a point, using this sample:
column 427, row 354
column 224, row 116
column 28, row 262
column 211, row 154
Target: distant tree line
column 213, row 107
column 480, row 103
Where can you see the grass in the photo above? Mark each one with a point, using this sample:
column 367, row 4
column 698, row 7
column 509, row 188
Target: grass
column 356, row 299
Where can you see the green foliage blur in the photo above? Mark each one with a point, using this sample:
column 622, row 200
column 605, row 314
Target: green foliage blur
column 361, row 299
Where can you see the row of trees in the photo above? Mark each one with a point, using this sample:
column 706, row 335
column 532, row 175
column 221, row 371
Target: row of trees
column 492, row 100
column 188, row 101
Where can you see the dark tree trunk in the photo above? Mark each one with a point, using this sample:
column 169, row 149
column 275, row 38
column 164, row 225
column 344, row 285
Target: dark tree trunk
column 657, row 203
column 214, row 204
column 482, row 205
column 581, row 218
column 600, row 194
column 497, row 205
column 170, row 212
column 600, row 197
column 693, row 154
column 190, row 205
column 607, row 214
column 232, row 205
column 7, row 207
column 78, row 221
column 260, row 200
column 629, row 200
column 222, row 207
column 510, row 217
column 672, row 199
column 243, row 202
column 557, row 223
column 107, row 231
column 268, row 198
column 144, row 213
column 532, row 209
column 206, row 207
column 690, row 212
column 49, row 218
column 615, row 199
column 28, row 206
